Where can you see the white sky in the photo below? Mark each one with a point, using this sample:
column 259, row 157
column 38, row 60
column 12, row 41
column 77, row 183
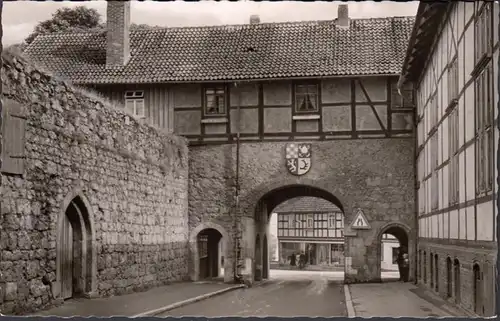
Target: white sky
column 20, row 17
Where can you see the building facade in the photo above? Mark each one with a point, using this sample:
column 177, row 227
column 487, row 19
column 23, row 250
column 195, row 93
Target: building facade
column 390, row 250
column 314, row 227
column 452, row 62
column 247, row 97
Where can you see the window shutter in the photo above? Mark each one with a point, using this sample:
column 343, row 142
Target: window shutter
column 13, row 134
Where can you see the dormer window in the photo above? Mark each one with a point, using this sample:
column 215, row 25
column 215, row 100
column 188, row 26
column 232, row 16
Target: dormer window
column 306, row 98
column 215, row 101
column 134, row 103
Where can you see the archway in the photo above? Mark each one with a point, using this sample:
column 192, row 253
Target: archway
column 205, row 242
column 208, row 251
column 265, row 258
column 314, row 222
column 76, row 257
column 400, row 233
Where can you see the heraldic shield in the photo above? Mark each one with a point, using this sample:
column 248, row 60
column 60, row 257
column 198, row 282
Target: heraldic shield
column 298, row 158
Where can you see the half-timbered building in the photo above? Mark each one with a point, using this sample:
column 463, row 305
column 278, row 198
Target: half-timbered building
column 272, row 111
column 452, row 61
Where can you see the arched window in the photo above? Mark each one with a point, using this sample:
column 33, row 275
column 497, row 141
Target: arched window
column 449, row 281
column 456, row 268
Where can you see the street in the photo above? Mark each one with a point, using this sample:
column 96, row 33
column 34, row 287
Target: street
column 286, row 294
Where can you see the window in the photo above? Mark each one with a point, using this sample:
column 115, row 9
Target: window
column 483, row 31
column 484, row 130
column 134, row 103
column 453, row 167
column 434, row 164
column 453, row 81
column 306, row 98
column 215, row 101
column 395, row 253
column 203, row 246
column 405, row 100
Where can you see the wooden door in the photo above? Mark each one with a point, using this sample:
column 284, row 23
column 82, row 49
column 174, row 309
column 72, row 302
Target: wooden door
column 66, row 259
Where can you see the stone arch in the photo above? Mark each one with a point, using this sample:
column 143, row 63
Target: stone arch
column 193, row 247
column 403, row 234
column 86, row 229
column 251, row 200
column 260, row 202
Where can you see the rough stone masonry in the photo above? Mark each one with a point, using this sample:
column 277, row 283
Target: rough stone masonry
column 133, row 177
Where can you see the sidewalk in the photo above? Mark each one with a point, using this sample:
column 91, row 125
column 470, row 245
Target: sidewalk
column 134, row 304
column 393, row 299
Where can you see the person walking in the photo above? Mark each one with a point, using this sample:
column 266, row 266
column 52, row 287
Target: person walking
column 292, row 259
column 399, row 262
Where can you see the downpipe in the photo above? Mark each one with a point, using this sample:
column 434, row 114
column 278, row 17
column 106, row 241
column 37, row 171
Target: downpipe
column 238, row 277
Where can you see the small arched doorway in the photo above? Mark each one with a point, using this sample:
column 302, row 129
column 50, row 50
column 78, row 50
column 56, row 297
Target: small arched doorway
column 436, row 272
column 265, row 258
column 449, row 273
column 425, row 267
column 258, row 260
column 208, row 253
column 456, row 272
column 431, row 268
column 478, row 298
column 399, row 233
column 75, row 256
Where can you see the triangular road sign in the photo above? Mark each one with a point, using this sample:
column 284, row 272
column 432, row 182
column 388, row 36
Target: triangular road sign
column 360, row 222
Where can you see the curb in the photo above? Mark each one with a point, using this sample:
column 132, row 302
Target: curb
column 348, row 302
column 186, row 302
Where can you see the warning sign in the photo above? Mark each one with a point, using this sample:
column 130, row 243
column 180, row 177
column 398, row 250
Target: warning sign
column 360, row 222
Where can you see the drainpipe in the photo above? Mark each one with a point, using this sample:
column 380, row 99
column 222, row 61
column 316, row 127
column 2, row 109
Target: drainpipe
column 237, row 275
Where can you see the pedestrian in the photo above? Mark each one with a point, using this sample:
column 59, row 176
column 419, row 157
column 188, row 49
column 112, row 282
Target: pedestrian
column 292, row 259
column 405, row 267
column 399, row 261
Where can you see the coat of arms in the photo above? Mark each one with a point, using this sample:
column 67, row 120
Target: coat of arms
column 298, row 158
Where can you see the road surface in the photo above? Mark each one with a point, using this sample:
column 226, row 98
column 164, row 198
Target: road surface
column 286, row 294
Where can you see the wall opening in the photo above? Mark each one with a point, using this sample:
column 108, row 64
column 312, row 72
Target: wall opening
column 425, row 267
column 419, row 265
column 449, row 280
column 308, row 233
column 436, row 272
column 477, row 290
column 394, row 257
column 75, row 249
column 431, row 269
column 209, row 258
column 456, row 273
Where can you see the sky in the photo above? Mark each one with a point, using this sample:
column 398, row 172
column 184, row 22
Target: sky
column 20, row 17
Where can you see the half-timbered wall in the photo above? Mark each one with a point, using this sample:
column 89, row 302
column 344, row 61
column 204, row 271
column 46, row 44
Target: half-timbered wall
column 346, row 108
column 455, row 97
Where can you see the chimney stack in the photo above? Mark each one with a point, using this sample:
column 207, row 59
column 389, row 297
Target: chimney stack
column 118, row 33
column 254, row 19
column 343, row 16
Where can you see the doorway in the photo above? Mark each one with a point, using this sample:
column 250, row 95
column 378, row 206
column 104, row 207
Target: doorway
column 393, row 249
column 75, row 260
column 208, row 251
column 477, row 290
column 449, row 282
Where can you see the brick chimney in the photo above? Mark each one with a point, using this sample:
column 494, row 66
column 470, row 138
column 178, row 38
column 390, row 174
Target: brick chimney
column 118, row 33
column 343, row 16
column 254, row 19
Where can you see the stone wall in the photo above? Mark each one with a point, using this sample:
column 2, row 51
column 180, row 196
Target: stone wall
column 375, row 175
column 130, row 179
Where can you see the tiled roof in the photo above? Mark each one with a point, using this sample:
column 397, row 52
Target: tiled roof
column 237, row 52
column 305, row 204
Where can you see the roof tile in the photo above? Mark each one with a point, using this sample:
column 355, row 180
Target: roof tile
column 232, row 52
